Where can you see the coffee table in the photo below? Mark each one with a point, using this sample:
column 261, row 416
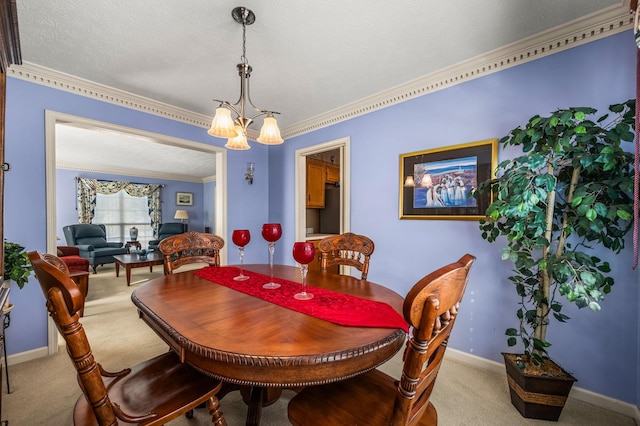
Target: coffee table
column 130, row 261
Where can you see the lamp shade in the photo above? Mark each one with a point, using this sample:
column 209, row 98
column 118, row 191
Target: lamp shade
column 270, row 133
column 181, row 214
column 222, row 124
column 409, row 181
column 238, row 142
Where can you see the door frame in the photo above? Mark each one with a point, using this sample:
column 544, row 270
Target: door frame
column 344, row 144
column 53, row 117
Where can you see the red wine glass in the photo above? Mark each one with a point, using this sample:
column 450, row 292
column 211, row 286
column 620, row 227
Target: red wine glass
column 304, row 253
column 241, row 238
column 271, row 232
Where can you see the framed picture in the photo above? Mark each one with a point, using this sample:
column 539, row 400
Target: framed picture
column 184, row 198
column 436, row 183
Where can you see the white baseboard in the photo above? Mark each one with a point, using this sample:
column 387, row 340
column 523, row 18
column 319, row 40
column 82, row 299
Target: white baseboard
column 27, row 356
column 578, row 393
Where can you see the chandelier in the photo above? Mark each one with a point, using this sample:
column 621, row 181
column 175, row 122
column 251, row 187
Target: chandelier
column 235, row 130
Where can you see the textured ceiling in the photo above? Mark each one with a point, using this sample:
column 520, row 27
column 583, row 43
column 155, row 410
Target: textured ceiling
column 307, row 57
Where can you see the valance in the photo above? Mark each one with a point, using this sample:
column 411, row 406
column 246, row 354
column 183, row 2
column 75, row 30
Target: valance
column 89, row 188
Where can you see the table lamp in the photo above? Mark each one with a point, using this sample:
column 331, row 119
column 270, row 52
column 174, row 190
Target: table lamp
column 182, row 215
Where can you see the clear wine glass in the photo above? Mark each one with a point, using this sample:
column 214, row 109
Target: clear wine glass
column 241, row 238
column 271, row 232
column 304, row 253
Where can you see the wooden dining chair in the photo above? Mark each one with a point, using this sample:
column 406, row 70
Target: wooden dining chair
column 190, row 247
column 151, row 393
column 346, row 249
column 375, row 398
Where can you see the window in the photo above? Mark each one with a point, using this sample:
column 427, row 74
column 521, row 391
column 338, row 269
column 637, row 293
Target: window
column 120, row 212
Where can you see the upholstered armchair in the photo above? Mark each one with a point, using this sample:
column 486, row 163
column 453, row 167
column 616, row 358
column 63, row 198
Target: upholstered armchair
column 70, row 255
column 167, row 230
column 91, row 241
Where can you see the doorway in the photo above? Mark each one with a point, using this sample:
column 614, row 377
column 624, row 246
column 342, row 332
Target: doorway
column 340, row 146
column 52, row 118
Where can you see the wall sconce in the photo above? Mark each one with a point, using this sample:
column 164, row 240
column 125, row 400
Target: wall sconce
column 182, row 215
column 248, row 176
column 409, row 182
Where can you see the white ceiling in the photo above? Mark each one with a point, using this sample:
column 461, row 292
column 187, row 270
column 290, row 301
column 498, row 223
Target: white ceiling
column 308, row 58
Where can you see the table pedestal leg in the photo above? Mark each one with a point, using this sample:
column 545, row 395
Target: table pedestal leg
column 255, row 406
column 255, row 397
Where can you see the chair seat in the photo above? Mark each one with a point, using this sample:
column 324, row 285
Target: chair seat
column 366, row 399
column 75, row 263
column 162, row 385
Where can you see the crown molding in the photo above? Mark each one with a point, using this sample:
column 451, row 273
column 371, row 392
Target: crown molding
column 610, row 21
column 135, row 173
column 79, row 86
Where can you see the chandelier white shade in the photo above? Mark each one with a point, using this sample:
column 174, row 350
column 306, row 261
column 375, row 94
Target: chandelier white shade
column 270, row 133
column 223, row 125
column 238, row 142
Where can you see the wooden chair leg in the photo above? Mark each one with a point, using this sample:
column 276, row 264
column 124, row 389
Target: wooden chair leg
column 213, row 404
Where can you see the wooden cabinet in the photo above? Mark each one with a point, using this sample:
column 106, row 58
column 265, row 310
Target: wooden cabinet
column 315, row 185
column 318, row 174
column 332, row 173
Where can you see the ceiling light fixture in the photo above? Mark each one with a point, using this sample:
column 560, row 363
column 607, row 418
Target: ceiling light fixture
column 236, row 130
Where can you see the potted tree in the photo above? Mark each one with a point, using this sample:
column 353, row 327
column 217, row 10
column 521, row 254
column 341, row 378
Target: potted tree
column 569, row 191
column 17, row 267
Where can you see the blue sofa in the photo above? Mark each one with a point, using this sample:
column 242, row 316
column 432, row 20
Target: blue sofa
column 91, row 240
column 167, row 230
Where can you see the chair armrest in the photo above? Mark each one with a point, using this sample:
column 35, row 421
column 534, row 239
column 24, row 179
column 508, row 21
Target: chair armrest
column 85, row 247
column 154, row 242
column 69, row 250
column 115, row 245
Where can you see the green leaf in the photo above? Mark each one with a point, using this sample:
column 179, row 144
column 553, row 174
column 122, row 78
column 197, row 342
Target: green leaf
column 591, row 214
column 576, row 202
column 588, row 278
column 624, row 215
column 595, row 307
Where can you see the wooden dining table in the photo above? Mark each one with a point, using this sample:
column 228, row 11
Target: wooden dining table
column 259, row 347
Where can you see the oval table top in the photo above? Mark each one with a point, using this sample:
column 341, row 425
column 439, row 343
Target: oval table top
column 245, row 340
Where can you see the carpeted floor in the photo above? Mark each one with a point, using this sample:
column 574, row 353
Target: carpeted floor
column 44, row 391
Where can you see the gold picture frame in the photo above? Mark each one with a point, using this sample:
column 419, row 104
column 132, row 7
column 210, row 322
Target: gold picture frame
column 435, row 183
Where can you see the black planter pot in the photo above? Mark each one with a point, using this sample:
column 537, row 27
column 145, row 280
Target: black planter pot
column 537, row 396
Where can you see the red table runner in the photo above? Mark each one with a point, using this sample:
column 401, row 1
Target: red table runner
column 332, row 306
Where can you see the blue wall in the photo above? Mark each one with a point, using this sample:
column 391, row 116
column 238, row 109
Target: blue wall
column 601, row 349
column 25, row 189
